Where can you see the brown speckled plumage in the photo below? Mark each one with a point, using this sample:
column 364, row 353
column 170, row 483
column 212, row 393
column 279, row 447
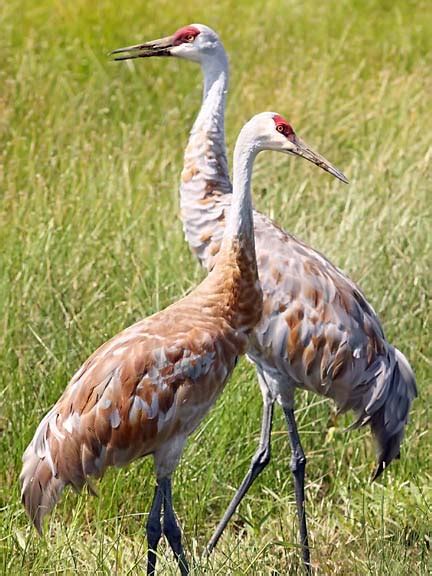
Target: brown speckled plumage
column 145, row 390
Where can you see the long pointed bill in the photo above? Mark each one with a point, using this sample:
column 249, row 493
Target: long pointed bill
column 161, row 47
column 303, row 150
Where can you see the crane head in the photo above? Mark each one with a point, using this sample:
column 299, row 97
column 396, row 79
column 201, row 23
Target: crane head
column 272, row 132
column 195, row 42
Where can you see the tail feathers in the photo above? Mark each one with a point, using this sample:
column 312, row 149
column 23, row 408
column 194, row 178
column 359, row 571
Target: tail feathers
column 389, row 413
column 53, row 460
column 40, row 488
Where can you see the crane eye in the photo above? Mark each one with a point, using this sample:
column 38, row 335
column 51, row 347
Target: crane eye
column 189, row 38
column 280, row 128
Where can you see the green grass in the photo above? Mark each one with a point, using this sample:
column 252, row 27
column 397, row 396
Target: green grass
column 90, row 157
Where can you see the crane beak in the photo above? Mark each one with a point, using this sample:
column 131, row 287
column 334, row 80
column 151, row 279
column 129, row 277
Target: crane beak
column 161, row 47
column 302, row 149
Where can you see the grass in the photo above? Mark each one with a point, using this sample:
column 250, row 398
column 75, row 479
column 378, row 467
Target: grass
column 90, row 157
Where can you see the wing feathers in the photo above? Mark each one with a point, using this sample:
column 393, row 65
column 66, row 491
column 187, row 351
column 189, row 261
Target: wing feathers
column 121, row 404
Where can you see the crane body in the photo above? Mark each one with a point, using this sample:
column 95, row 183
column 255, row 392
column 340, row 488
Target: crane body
column 145, row 391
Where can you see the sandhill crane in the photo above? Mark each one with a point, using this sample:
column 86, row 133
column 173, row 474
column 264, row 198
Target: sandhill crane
column 317, row 331
column 145, row 390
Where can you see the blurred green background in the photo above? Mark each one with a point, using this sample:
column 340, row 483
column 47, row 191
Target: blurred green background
column 90, row 159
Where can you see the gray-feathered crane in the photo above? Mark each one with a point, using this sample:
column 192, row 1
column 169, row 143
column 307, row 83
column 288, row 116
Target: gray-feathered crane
column 317, row 331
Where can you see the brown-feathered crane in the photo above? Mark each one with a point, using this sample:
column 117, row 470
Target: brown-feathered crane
column 317, row 332
column 145, row 390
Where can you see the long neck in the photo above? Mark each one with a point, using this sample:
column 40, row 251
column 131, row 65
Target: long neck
column 211, row 116
column 205, row 178
column 239, row 227
column 233, row 282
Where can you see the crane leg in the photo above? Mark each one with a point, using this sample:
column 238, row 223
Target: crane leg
column 171, row 529
column 154, row 530
column 298, row 466
column 259, row 461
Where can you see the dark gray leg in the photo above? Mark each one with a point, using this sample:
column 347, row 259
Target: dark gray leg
column 298, row 465
column 154, row 530
column 171, row 528
column 259, row 461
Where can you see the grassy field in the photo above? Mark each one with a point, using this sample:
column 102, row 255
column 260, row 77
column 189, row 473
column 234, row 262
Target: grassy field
column 90, row 157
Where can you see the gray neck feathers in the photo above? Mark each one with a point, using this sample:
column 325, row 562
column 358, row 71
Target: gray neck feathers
column 205, row 177
column 240, row 221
